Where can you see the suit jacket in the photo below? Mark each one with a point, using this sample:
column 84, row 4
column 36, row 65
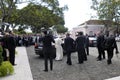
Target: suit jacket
column 100, row 41
column 80, row 42
column 47, row 41
column 68, row 42
column 11, row 42
column 47, row 45
column 111, row 42
column 5, row 41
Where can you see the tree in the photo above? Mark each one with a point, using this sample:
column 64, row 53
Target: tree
column 38, row 17
column 61, row 28
column 6, row 8
column 10, row 14
column 107, row 9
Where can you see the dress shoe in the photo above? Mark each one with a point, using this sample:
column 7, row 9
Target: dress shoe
column 14, row 64
column 69, row 63
column 85, row 59
column 99, row 59
column 103, row 58
column 80, row 62
column 109, row 62
column 45, row 70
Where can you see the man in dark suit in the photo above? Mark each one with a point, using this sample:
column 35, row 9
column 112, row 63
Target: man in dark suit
column 68, row 42
column 80, row 44
column 100, row 42
column 11, row 48
column 4, row 43
column 87, row 44
column 47, row 49
column 111, row 45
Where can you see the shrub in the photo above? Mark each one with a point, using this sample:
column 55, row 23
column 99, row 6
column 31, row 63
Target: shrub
column 1, row 51
column 6, row 68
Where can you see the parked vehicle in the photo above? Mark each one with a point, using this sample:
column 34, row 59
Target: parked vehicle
column 117, row 38
column 38, row 47
column 92, row 41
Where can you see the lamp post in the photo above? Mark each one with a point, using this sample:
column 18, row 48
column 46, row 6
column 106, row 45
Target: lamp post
column 0, row 23
column 86, row 26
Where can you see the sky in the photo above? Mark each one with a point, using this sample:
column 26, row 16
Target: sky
column 79, row 11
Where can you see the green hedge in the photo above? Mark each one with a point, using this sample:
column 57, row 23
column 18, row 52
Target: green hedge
column 6, row 68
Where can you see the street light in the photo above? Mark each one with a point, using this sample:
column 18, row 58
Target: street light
column 0, row 23
column 86, row 26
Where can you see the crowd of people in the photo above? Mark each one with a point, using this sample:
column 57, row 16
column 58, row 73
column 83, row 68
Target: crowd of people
column 106, row 43
column 9, row 41
column 8, row 44
column 81, row 44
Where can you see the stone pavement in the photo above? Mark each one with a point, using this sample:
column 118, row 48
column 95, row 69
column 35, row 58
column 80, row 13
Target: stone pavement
column 22, row 69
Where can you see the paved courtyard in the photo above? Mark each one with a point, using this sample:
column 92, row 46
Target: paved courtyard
column 30, row 67
column 90, row 70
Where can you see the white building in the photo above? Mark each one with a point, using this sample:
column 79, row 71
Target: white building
column 91, row 27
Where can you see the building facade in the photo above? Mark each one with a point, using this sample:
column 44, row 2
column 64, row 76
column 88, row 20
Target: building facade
column 91, row 27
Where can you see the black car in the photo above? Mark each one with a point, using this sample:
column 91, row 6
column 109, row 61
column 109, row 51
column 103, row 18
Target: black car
column 38, row 47
column 39, row 50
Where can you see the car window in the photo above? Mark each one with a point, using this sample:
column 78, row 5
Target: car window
column 92, row 38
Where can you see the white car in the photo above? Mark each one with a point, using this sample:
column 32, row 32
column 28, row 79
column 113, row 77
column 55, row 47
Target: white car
column 92, row 41
column 117, row 38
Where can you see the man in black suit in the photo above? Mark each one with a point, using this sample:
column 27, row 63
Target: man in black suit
column 80, row 44
column 87, row 44
column 100, row 42
column 4, row 43
column 11, row 48
column 47, row 49
column 110, row 44
column 68, row 42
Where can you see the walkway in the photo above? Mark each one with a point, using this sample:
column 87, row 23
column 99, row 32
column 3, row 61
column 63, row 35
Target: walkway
column 22, row 69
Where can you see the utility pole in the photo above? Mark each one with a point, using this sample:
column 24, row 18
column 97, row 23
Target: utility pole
column 0, row 23
column 1, row 26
